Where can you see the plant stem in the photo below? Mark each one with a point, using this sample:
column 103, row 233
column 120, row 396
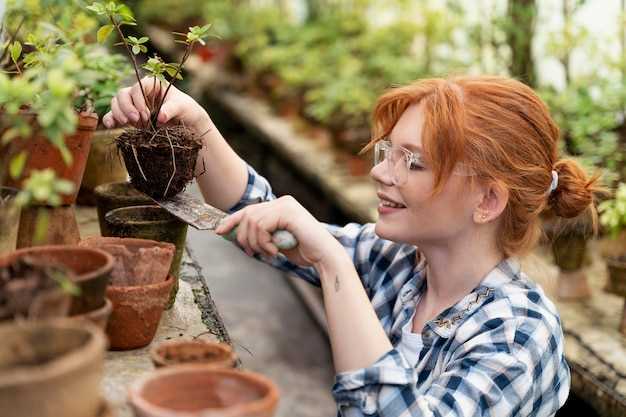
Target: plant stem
column 11, row 40
column 132, row 57
column 171, row 81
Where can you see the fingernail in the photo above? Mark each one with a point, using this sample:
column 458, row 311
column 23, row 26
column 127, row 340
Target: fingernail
column 134, row 117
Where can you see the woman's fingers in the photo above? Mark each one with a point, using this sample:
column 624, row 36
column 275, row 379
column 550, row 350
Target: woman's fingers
column 127, row 107
column 139, row 103
column 253, row 230
column 108, row 120
column 117, row 113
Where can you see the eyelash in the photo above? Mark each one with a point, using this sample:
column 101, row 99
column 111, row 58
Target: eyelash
column 414, row 166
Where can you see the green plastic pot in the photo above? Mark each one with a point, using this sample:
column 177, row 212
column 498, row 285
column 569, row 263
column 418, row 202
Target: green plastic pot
column 116, row 195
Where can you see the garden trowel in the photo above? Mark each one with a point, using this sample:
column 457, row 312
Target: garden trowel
column 192, row 210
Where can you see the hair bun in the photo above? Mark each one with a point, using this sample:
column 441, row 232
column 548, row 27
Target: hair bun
column 575, row 191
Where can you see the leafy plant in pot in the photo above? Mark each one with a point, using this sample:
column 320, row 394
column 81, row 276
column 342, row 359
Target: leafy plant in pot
column 613, row 218
column 160, row 159
column 44, row 136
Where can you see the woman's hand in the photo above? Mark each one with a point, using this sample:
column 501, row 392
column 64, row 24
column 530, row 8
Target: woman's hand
column 257, row 222
column 129, row 107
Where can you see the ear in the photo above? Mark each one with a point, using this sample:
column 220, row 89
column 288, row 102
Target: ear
column 493, row 199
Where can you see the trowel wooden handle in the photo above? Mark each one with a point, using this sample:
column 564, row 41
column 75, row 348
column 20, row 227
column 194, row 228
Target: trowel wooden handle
column 283, row 239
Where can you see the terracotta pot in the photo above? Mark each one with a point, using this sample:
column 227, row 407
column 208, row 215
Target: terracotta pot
column 205, row 352
column 99, row 317
column 104, row 165
column 116, row 195
column 136, row 313
column 199, row 391
column 91, row 270
column 9, row 219
column 154, row 223
column 29, row 291
column 50, row 369
column 60, row 228
column 137, row 261
column 42, row 154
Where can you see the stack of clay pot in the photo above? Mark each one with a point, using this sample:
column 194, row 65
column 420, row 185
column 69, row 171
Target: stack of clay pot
column 139, row 288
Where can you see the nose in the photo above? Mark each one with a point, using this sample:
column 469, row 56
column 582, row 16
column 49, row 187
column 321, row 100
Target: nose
column 380, row 173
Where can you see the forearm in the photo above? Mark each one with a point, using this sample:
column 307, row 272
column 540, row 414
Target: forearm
column 357, row 337
column 221, row 174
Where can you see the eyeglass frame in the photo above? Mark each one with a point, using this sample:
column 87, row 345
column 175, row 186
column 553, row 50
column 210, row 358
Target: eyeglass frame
column 385, row 145
column 410, row 157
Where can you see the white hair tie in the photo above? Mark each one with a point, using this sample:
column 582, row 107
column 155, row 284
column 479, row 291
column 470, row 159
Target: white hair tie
column 555, row 182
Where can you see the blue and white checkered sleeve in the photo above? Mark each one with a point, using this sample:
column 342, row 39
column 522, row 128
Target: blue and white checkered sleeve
column 493, row 375
column 357, row 239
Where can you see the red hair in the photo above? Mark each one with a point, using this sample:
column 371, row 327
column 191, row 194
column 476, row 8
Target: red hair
column 501, row 130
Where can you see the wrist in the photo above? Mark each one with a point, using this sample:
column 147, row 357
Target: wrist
column 333, row 262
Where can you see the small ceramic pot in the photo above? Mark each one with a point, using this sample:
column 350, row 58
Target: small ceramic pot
column 197, row 390
column 116, row 195
column 9, row 219
column 205, row 352
column 91, row 271
column 136, row 313
column 154, row 223
column 51, row 368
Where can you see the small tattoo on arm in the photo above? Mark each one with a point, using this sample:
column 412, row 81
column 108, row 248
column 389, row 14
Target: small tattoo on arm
column 336, row 283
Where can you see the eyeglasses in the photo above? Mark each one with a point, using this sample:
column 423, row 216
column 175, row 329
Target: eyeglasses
column 399, row 160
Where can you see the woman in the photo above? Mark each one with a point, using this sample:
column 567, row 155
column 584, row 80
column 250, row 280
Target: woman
column 428, row 311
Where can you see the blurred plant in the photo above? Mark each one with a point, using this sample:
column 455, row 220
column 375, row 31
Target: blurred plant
column 613, row 212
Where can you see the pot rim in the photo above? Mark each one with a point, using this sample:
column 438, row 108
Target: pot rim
column 77, row 278
column 109, row 216
column 124, row 241
column 68, row 362
column 169, row 280
column 268, row 401
column 103, row 311
column 227, row 351
column 104, row 191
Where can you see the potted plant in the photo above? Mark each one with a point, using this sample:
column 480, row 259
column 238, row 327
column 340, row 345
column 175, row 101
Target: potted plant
column 159, row 158
column 613, row 218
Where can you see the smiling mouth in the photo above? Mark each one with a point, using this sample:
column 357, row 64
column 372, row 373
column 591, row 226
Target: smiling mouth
column 387, row 203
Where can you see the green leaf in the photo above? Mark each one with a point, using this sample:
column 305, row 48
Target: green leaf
column 136, row 49
column 41, row 227
column 143, row 39
column 17, row 165
column 104, row 32
column 16, row 51
column 132, row 39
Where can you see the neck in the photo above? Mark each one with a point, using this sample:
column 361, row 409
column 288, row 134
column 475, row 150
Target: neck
column 457, row 266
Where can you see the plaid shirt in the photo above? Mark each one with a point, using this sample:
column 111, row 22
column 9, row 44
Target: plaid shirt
column 497, row 352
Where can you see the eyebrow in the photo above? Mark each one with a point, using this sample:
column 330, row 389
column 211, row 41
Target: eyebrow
column 411, row 146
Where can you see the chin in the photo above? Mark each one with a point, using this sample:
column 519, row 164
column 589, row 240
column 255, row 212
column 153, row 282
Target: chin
column 387, row 232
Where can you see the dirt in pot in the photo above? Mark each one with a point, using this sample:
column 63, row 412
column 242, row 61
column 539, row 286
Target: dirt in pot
column 32, row 288
column 161, row 161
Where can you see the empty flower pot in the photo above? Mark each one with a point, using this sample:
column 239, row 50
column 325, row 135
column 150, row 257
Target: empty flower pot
column 61, row 227
column 136, row 313
column 205, row 352
column 50, row 369
column 154, row 223
column 116, row 195
column 139, row 288
column 200, row 391
column 9, row 219
column 91, row 271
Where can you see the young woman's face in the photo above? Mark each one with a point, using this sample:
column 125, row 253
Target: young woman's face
column 421, row 218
